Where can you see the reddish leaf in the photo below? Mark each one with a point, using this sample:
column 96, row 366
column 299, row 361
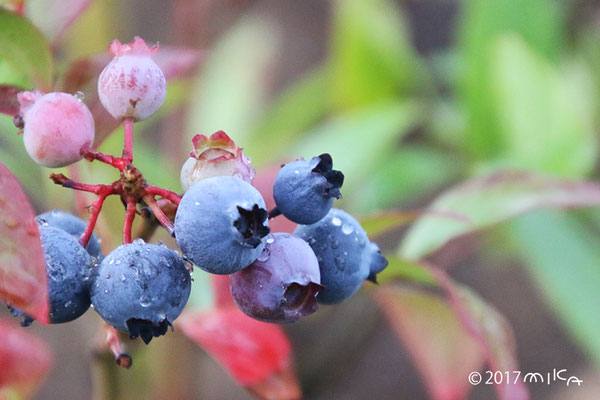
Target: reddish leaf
column 22, row 267
column 221, row 291
column 25, row 361
column 443, row 351
column 8, row 99
column 53, row 17
column 264, row 183
column 178, row 62
column 491, row 329
column 258, row 355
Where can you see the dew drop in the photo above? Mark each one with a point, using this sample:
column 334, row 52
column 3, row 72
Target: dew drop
column 311, row 240
column 270, row 240
column 138, row 241
column 112, row 261
column 68, row 303
column 118, row 262
column 105, row 290
column 335, row 244
column 122, row 277
column 107, row 276
column 336, row 221
column 296, row 172
column 197, row 203
column 145, row 301
column 347, row 229
column 79, row 95
column 264, row 256
column 340, row 262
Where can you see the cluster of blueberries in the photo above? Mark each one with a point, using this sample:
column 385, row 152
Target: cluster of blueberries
column 221, row 226
column 221, row 223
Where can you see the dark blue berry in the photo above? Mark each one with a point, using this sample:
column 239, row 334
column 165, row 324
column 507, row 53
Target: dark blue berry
column 73, row 226
column 140, row 288
column 68, row 268
column 304, row 190
column 221, row 224
column 346, row 256
column 281, row 285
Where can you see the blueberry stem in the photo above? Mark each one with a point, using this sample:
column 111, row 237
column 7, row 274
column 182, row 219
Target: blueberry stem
column 167, row 194
column 274, row 213
column 128, row 147
column 129, row 217
column 159, row 214
column 95, row 210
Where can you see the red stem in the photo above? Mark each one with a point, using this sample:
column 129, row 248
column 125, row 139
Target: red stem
column 115, row 346
column 129, row 217
column 117, row 162
column 167, row 194
column 96, row 207
column 128, row 147
column 159, row 214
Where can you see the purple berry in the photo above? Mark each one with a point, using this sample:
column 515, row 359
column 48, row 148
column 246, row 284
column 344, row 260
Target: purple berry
column 304, row 190
column 283, row 282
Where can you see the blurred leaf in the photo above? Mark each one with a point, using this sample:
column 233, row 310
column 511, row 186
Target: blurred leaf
column 371, row 53
column 256, row 354
column 491, row 329
column 562, row 256
column 231, row 89
column 405, row 176
column 538, row 104
column 406, row 271
column 53, row 17
column 358, row 140
column 25, row 362
column 300, row 106
column 383, row 222
column 444, row 353
column 8, row 99
column 539, row 22
column 490, row 200
column 23, row 280
column 14, row 156
column 25, row 49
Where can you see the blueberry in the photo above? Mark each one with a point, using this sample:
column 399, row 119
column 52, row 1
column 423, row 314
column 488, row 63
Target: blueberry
column 281, row 285
column 140, row 288
column 68, row 268
column 73, row 226
column 221, row 224
column 346, row 256
column 304, row 190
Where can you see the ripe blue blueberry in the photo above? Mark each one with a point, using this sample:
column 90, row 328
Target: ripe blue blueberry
column 140, row 288
column 68, row 268
column 346, row 256
column 282, row 284
column 304, row 190
column 221, row 224
column 73, row 226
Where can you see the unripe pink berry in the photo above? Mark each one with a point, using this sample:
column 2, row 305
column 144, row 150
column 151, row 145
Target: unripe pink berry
column 132, row 85
column 216, row 155
column 58, row 127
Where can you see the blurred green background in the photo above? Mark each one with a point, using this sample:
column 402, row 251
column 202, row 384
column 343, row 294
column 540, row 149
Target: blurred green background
column 410, row 97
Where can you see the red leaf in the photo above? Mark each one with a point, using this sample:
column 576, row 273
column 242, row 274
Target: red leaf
column 443, row 351
column 25, row 361
column 264, row 183
column 8, row 99
column 258, row 355
column 23, row 280
column 220, row 284
column 54, row 17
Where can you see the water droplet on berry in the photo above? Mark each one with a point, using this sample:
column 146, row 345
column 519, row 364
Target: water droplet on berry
column 340, row 262
column 112, row 261
column 145, row 301
column 336, row 221
column 122, row 277
column 270, row 240
column 335, row 244
column 197, row 203
column 118, row 262
column 105, row 290
column 68, row 303
column 107, row 276
column 347, row 229
column 296, row 172
column 264, row 256
column 79, row 95
column 311, row 240
column 139, row 241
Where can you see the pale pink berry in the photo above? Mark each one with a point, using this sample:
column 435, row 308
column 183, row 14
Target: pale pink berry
column 58, row 127
column 216, row 155
column 132, row 85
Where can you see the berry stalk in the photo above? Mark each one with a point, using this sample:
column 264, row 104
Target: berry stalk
column 95, row 210
column 129, row 217
column 128, row 146
column 159, row 214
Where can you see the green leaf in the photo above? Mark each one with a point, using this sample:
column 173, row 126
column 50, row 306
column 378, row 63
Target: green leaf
column 358, row 140
column 300, row 106
column 399, row 269
column 371, row 54
column 539, row 22
column 486, row 201
column 562, row 256
column 231, row 92
column 546, row 115
column 24, row 48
